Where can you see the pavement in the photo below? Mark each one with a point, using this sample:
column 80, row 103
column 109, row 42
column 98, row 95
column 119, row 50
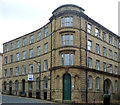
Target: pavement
column 8, row 99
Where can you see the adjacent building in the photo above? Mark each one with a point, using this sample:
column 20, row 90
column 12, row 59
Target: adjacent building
column 0, row 72
column 71, row 58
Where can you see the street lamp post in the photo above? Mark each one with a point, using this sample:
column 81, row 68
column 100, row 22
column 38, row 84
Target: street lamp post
column 39, row 78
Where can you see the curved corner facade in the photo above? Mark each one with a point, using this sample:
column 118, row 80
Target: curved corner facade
column 70, row 59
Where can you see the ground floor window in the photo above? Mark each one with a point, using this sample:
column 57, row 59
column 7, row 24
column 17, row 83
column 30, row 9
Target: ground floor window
column 30, row 85
column 16, row 85
column 5, row 87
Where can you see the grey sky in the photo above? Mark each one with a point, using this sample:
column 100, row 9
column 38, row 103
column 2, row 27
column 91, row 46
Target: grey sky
column 19, row 17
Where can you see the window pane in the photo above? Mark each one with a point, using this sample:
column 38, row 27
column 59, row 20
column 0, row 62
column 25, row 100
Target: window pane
column 66, row 59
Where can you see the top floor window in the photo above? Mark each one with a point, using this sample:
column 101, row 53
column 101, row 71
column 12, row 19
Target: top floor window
column 11, row 46
column 104, row 36
column 46, row 31
column 24, row 42
column 115, row 42
column 39, row 36
column 67, row 40
column 97, row 32
column 89, row 28
column 31, row 39
column 110, row 39
column 67, row 21
column 6, row 48
column 18, row 44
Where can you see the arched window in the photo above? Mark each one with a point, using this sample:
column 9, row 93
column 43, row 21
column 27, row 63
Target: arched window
column 38, row 83
column 76, row 82
column 115, row 85
column 16, row 85
column 5, row 86
column 45, row 82
column 57, row 81
column 89, row 82
column 97, row 83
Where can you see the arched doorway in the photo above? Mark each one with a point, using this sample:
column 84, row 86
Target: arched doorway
column 67, row 87
column 107, row 91
column 23, row 86
column 10, row 87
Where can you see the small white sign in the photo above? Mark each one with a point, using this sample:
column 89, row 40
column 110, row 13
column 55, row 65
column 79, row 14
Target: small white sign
column 72, row 86
column 30, row 77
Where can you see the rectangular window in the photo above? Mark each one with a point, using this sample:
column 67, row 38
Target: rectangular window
column 67, row 21
column 115, row 69
column 11, row 58
column 115, row 56
column 67, row 40
column 110, row 68
column 97, row 48
column 89, row 82
column 17, row 71
column 104, row 51
column 30, row 85
column 46, row 31
column 5, row 73
column 45, row 65
column 17, row 57
column 6, row 60
column 119, row 45
column 31, row 39
column 104, row 66
column 110, row 39
column 12, row 46
column 110, row 54
column 97, row 64
column 89, row 28
column 38, row 67
column 67, row 59
column 115, row 42
column 31, row 68
column 90, row 62
column 24, row 55
column 104, row 36
column 24, row 41
column 11, row 71
column 38, row 50
column 39, row 36
column 89, row 45
column 23, row 69
column 6, row 48
column 18, row 44
column 97, row 33
column 45, row 47
column 30, row 53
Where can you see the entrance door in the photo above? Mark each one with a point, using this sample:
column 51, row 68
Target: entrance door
column 45, row 95
column 106, row 92
column 10, row 87
column 66, row 87
column 23, row 84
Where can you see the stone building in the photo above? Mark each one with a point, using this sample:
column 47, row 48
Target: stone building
column 0, row 72
column 70, row 59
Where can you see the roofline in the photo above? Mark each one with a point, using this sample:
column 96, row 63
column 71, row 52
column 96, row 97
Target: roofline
column 67, row 5
column 26, row 34
column 99, row 25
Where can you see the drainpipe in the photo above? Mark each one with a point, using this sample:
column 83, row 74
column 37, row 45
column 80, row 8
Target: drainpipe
column 51, row 64
column 86, row 65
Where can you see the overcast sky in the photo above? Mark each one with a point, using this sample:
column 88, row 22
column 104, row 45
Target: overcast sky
column 19, row 17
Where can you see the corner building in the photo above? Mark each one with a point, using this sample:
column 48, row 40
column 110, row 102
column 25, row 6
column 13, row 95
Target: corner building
column 70, row 59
